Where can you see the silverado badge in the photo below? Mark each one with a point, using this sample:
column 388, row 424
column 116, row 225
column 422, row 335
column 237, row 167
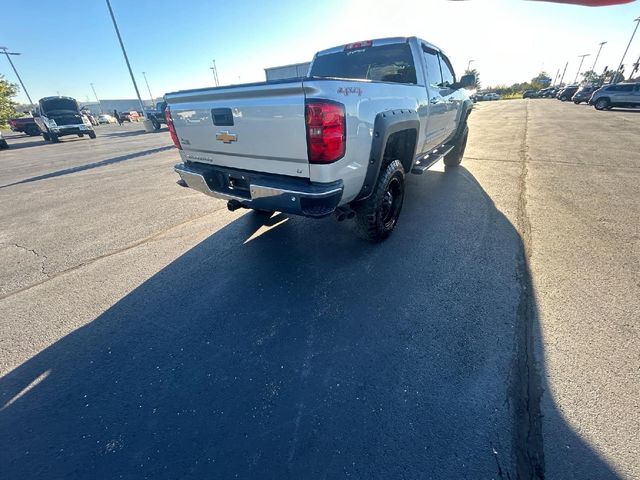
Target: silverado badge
column 227, row 137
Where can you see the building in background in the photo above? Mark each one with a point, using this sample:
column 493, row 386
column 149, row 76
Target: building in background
column 295, row 70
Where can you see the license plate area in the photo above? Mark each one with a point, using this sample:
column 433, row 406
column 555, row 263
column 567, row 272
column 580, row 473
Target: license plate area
column 238, row 184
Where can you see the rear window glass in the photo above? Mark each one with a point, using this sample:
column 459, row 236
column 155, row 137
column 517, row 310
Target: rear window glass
column 386, row 63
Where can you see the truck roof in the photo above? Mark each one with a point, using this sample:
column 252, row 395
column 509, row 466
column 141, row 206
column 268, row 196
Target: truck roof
column 380, row 41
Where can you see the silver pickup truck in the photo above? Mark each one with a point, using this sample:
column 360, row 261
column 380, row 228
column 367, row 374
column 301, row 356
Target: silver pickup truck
column 337, row 141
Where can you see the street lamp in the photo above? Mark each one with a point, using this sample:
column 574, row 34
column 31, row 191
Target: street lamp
column 469, row 64
column 580, row 67
column 615, row 77
column 97, row 99
column 126, row 59
column 214, row 69
column 593, row 69
column 7, row 53
column 144, row 74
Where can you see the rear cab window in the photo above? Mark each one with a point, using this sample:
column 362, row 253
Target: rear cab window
column 383, row 63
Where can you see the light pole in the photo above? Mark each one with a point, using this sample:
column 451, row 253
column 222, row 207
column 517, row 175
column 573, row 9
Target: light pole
column 469, row 64
column 126, row 59
column 97, row 99
column 580, row 67
column 615, row 77
column 144, row 74
column 563, row 72
column 214, row 70
column 4, row 49
column 593, row 69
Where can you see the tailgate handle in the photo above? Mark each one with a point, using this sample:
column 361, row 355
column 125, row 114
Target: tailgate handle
column 222, row 117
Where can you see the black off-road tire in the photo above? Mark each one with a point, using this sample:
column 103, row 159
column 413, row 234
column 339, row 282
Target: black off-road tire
column 54, row 138
column 377, row 216
column 602, row 104
column 454, row 157
column 32, row 131
column 92, row 134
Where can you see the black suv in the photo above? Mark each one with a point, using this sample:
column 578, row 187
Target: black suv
column 567, row 92
column 583, row 94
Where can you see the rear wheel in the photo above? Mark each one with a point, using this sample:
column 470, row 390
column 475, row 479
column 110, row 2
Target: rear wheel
column 32, row 131
column 81, row 135
column 46, row 137
column 454, row 157
column 54, row 137
column 92, row 134
column 577, row 102
column 377, row 216
column 602, row 104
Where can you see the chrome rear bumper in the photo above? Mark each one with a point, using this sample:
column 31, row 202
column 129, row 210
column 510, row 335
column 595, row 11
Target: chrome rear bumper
column 263, row 191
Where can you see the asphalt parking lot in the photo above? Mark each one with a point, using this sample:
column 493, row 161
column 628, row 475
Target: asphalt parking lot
column 147, row 332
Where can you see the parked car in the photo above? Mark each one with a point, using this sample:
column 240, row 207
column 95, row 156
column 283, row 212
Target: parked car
column 3, row 143
column 340, row 141
column 60, row 116
column 567, row 93
column 26, row 125
column 491, row 96
column 529, row 94
column 583, row 94
column 616, row 95
column 105, row 118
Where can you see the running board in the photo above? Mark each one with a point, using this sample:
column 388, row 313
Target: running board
column 426, row 162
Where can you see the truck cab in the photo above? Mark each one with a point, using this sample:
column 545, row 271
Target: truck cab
column 59, row 116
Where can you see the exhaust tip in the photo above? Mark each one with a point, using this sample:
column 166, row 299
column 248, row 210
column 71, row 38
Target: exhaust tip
column 233, row 205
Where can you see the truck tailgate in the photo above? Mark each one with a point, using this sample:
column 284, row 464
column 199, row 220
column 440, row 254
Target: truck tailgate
column 258, row 127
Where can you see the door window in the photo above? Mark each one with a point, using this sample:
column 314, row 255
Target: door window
column 434, row 77
column 448, row 77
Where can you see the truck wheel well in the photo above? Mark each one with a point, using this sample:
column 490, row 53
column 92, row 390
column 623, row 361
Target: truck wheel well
column 400, row 146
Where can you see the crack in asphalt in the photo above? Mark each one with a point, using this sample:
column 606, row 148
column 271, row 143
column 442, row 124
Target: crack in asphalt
column 526, row 388
column 51, row 276
column 42, row 256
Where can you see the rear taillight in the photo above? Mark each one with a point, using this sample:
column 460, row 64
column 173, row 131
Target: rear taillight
column 172, row 129
column 325, row 130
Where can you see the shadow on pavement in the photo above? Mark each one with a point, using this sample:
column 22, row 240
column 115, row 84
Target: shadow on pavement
column 132, row 133
column 294, row 350
column 89, row 166
column 21, row 145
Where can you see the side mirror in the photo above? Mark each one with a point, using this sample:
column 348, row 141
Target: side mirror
column 467, row 81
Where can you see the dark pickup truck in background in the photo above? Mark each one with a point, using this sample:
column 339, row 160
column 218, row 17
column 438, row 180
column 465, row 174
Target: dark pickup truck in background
column 26, row 125
column 157, row 115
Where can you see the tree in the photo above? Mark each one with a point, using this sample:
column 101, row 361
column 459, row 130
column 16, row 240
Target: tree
column 7, row 105
column 542, row 80
column 475, row 72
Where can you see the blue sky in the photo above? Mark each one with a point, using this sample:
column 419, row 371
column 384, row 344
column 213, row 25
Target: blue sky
column 175, row 42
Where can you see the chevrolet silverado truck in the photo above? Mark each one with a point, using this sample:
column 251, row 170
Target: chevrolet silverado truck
column 59, row 116
column 338, row 141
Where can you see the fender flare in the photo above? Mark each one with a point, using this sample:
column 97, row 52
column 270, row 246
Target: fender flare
column 465, row 111
column 386, row 124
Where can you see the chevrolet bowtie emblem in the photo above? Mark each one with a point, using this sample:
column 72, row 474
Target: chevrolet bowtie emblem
column 227, row 137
